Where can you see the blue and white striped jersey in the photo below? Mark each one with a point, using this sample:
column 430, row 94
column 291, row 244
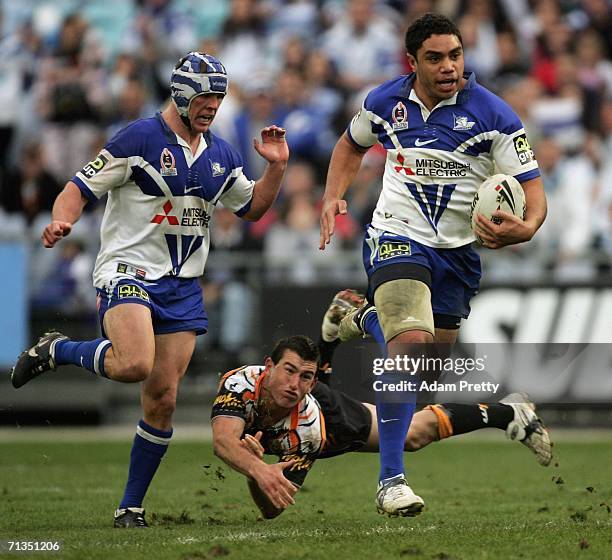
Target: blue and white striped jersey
column 437, row 160
column 160, row 200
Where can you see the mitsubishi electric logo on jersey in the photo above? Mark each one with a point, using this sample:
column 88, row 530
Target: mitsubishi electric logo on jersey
column 462, row 123
column 195, row 217
column 192, row 217
column 399, row 114
column 401, row 167
column 425, row 167
column 439, row 168
column 159, row 218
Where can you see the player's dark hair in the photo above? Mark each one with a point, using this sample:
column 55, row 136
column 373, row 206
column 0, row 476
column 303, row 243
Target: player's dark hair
column 427, row 25
column 303, row 346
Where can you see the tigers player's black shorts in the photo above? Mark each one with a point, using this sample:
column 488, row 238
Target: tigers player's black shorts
column 347, row 421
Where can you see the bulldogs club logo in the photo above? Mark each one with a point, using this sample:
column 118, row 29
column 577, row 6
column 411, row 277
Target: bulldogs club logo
column 167, row 163
column 462, row 122
column 399, row 114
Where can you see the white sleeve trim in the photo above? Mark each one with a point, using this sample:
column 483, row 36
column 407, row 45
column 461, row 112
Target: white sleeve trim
column 238, row 195
column 98, row 183
column 360, row 129
column 489, row 135
column 234, row 174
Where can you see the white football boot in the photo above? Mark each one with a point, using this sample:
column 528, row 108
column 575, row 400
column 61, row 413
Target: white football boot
column 528, row 428
column 394, row 497
column 352, row 324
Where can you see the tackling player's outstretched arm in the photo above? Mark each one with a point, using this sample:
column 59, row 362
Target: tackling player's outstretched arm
column 253, row 445
column 273, row 148
column 275, row 491
column 343, row 166
column 67, row 209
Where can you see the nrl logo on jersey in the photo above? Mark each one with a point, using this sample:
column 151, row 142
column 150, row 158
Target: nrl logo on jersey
column 167, row 163
column 399, row 114
column 462, row 123
column 217, row 170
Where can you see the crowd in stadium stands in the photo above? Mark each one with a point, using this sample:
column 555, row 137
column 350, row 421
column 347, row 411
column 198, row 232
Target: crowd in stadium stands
column 73, row 73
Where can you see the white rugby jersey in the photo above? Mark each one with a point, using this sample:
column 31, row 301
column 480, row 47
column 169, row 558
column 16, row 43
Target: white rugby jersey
column 437, row 160
column 160, row 200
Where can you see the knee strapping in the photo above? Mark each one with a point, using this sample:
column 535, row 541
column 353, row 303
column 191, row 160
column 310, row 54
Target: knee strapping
column 404, row 305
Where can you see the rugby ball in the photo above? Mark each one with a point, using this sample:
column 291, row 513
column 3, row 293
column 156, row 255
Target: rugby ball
column 498, row 192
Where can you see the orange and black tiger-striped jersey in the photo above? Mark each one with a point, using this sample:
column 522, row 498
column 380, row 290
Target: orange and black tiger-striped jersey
column 324, row 424
column 300, row 435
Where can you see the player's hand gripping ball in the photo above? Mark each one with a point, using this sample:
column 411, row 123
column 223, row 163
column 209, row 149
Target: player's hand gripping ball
column 499, row 192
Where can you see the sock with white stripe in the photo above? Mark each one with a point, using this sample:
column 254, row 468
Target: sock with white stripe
column 150, row 445
column 87, row 354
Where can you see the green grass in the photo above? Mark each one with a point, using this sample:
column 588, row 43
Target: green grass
column 484, row 500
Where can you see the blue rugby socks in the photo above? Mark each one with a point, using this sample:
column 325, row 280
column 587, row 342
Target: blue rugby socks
column 150, row 445
column 393, row 417
column 393, row 422
column 372, row 327
column 87, row 354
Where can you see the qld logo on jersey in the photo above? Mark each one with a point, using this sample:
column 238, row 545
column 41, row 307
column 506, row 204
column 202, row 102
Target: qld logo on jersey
column 167, row 164
column 391, row 249
column 399, row 115
column 132, row 291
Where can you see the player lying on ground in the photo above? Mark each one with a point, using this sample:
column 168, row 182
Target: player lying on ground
column 280, row 409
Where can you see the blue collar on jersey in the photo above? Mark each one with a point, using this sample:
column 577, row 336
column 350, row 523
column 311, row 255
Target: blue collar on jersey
column 462, row 97
column 171, row 136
